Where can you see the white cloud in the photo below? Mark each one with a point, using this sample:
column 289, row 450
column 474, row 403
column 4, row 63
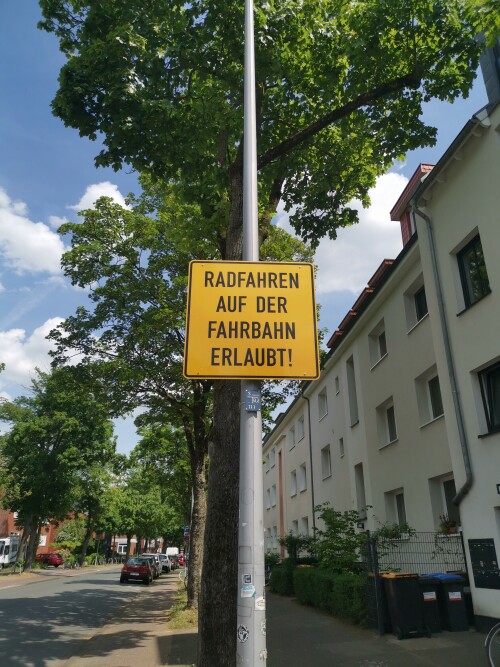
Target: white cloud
column 348, row 262
column 96, row 190
column 27, row 246
column 21, row 354
column 55, row 221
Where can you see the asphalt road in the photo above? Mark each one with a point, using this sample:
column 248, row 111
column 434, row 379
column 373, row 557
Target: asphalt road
column 44, row 624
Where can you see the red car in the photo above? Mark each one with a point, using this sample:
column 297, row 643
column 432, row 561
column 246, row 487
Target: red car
column 137, row 569
column 54, row 559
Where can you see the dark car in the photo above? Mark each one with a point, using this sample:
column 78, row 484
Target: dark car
column 137, row 569
column 54, row 559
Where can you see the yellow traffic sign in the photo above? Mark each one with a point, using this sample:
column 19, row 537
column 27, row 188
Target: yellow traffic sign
column 251, row 320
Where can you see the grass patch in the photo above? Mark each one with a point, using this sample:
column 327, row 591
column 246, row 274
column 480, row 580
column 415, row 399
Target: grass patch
column 180, row 618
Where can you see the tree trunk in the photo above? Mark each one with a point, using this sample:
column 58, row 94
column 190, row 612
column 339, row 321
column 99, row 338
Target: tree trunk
column 218, row 596
column 21, row 554
column 32, row 546
column 129, row 544
column 88, row 534
column 198, row 519
column 217, row 618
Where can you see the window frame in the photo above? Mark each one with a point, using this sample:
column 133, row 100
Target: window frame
column 301, row 428
column 302, row 478
column 326, row 450
column 293, row 483
column 419, row 314
column 322, row 402
column 493, row 425
column 433, row 415
column 465, row 273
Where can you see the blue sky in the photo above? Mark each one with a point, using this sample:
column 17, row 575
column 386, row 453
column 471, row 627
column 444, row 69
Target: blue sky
column 47, row 174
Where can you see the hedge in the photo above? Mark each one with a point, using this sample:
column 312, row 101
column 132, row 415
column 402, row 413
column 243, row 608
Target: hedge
column 341, row 595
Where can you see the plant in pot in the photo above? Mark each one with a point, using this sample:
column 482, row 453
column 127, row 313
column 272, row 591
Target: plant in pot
column 447, row 526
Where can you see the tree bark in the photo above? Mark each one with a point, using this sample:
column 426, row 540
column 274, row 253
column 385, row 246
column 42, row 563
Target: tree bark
column 198, row 519
column 22, row 553
column 88, row 534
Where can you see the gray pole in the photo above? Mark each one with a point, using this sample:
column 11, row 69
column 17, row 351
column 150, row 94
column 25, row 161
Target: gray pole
column 251, row 615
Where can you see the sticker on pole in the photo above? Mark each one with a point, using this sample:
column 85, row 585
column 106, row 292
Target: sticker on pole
column 251, row 320
column 243, row 633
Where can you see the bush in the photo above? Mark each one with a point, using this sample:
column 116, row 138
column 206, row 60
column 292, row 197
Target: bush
column 341, row 595
column 282, row 578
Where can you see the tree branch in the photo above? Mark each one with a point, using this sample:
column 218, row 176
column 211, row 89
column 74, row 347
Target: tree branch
column 411, row 80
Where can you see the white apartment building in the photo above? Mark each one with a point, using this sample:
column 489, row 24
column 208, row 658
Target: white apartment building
column 405, row 417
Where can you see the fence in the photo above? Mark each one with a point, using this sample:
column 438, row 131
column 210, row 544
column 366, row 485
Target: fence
column 419, row 553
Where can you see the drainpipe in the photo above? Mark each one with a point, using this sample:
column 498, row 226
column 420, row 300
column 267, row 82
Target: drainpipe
column 449, row 357
column 310, row 459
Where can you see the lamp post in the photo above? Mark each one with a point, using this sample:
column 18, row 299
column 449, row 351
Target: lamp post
column 251, row 614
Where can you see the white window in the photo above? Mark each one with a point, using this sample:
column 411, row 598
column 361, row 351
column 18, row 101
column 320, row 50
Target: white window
column 337, row 385
column 274, row 537
column 322, row 403
column 304, row 526
column 395, row 506
column 351, row 390
column 273, row 495
column 472, row 270
column 293, row 483
column 326, row 462
column 295, row 527
column 415, row 300
column 489, row 380
column 429, row 402
column 272, row 457
column 359, row 480
column 122, row 548
column 300, row 427
column 302, row 478
column 291, row 438
column 341, row 447
column 386, row 423
column 266, row 463
column 377, row 343
column 268, row 499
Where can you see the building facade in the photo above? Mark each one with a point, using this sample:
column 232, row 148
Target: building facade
column 405, row 418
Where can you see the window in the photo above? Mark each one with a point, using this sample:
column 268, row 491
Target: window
column 272, row 457
column 293, row 483
column 473, row 275
column 386, row 423
column 351, row 390
column 274, row 537
column 395, row 506
column 449, row 492
column 359, row 480
column 490, row 393
column 268, row 499
column 300, row 427
column 420, row 300
column 429, row 401
column 341, row 447
column 291, row 438
column 304, row 526
column 326, row 462
column 337, row 385
column 273, row 495
column 377, row 343
column 399, row 499
column 436, row 403
column 322, row 403
column 302, row 478
column 415, row 302
column 122, row 548
column 295, row 527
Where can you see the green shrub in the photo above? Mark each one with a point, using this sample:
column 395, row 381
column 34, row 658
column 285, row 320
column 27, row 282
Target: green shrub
column 342, row 595
column 282, row 579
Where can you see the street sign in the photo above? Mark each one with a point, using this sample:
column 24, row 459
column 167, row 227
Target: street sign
column 251, row 320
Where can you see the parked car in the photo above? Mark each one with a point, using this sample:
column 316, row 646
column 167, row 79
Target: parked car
column 166, row 565
column 137, row 569
column 155, row 564
column 173, row 562
column 54, row 559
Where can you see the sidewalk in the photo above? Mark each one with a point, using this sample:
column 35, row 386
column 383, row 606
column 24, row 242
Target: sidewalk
column 137, row 636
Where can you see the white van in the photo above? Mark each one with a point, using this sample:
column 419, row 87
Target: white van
column 9, row 546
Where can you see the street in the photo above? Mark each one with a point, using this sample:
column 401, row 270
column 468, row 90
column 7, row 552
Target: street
column 44, row 624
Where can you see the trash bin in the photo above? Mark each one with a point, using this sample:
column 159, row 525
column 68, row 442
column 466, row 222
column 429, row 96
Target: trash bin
column 451, row 598
column 405, row 604
column 429, row 588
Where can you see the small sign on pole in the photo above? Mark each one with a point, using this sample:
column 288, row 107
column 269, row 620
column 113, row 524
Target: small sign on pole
column 251, row 320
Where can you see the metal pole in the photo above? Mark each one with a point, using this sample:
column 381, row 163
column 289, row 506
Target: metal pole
column 251, row 615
